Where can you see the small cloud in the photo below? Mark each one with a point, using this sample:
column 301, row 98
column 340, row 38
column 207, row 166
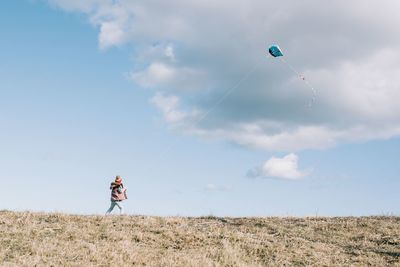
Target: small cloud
column 111, row 34
column 215, row 188
column 167, row 75
column 178, row 191
column 157, row 73
column 281, row 168
column 169, row 107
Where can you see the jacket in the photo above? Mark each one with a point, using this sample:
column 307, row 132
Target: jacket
column 118, row 192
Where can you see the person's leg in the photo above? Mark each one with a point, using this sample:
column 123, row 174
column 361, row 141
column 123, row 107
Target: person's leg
column 121, row 208
column 111, row 207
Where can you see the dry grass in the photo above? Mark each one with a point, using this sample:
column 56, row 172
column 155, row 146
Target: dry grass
column 28, row 239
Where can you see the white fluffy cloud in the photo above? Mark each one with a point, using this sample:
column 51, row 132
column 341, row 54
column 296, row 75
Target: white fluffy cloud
column 156, row 73
column 161, row 75
column 191, row 52
column 281, row 168
column 168, row 105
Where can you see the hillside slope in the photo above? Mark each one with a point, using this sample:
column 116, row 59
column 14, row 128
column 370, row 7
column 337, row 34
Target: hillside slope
column 72, row 240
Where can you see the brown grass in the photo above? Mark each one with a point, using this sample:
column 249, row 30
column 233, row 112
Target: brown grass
column 28, row 239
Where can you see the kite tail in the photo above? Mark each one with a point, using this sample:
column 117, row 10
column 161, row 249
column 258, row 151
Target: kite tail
column 314, row 92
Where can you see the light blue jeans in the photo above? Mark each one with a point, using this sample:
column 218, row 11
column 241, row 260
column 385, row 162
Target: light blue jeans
column 113, row 204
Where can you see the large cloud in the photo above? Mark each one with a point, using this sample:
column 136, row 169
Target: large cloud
column 191, row 52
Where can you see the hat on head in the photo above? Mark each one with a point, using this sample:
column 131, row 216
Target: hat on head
column 118, row 180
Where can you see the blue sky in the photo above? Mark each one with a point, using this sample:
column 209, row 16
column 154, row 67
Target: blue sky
column 92, row 90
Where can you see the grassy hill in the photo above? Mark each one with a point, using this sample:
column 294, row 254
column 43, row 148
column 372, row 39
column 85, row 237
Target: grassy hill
column 71, row 240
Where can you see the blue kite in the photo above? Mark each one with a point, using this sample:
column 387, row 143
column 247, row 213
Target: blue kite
column 275, row 51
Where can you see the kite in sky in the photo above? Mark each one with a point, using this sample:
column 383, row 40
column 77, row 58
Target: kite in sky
column 276, row 51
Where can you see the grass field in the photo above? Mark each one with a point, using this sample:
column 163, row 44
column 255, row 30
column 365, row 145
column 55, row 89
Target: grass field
column 28, row 239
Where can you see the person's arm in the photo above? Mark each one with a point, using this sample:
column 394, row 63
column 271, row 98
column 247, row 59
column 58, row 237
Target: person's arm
column 120, row 189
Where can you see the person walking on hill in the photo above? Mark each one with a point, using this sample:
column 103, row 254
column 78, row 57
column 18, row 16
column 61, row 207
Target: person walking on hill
column 118, row 194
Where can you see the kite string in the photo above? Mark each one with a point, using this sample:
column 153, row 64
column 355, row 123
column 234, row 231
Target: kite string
column 314, row 92
column 227, row 92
